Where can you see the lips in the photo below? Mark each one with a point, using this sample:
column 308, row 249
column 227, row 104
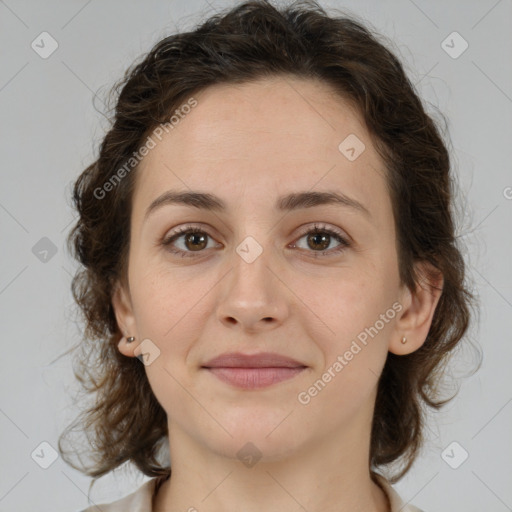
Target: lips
column 253, row 371
column 261, row 360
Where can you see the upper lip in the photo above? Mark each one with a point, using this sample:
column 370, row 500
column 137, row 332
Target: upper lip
column 260, row 360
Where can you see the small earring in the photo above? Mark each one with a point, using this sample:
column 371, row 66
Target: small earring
column 404, row 340
column 130, row 339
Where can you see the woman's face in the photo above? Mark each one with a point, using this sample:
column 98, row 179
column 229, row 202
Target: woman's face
column 240, row 285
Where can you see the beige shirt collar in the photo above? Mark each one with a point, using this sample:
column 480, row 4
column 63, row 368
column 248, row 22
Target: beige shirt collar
column 141, row 500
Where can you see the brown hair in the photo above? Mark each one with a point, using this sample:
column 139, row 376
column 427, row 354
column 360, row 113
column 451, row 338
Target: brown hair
column 255, row 40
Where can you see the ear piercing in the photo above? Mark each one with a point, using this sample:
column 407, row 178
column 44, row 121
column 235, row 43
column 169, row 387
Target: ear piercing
column 129, row 340
column 132, row 338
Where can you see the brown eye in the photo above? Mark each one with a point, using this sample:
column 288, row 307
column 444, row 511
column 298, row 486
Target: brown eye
column 319, row 238
column 194, row 240
column 319, row 241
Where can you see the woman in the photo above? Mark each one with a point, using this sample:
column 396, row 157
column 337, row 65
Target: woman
column 272, row 283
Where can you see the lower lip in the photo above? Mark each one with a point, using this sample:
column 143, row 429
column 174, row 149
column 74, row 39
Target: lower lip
column 253, row 378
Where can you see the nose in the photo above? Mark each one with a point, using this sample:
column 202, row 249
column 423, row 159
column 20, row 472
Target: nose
column 252, row 297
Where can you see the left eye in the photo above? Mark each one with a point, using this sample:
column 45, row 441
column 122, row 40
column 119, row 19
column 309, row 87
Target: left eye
column 320, row 237
column 195, row 240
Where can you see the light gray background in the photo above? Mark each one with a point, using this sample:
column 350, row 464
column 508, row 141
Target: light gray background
column 50, row 131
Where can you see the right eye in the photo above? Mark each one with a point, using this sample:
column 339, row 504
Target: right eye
column 194, row 236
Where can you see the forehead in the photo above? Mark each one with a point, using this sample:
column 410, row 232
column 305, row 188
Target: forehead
column 263, row 138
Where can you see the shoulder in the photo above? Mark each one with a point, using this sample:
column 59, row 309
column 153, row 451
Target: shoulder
column 397, row 503
column 138, row 501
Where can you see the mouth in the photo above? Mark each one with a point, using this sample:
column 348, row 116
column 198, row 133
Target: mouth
column 254, row 378
column 253, row 371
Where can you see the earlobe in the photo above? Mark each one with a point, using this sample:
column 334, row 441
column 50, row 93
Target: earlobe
column 419, row 307
column 127, row 347
column 123, row 310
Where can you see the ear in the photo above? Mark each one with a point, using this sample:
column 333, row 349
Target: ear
column 415, row 319
column 122, row 304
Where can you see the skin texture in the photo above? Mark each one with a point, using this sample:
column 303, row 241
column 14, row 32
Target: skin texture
column 250, row 144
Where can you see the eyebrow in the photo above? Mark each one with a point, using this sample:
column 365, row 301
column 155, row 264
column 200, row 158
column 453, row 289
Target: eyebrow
column 293, row 201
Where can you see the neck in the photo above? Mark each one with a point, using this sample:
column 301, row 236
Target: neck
column 315, row 477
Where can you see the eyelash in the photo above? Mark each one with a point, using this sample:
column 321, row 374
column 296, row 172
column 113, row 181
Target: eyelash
column 344, row 243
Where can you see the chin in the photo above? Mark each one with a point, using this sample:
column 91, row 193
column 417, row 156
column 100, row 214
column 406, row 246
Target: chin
column 257, row 440
column 253, row 449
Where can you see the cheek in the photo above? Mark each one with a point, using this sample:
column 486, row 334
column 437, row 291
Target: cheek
column 353, row 340
column 349, row 301
column 171, row 306
column 357, row 316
